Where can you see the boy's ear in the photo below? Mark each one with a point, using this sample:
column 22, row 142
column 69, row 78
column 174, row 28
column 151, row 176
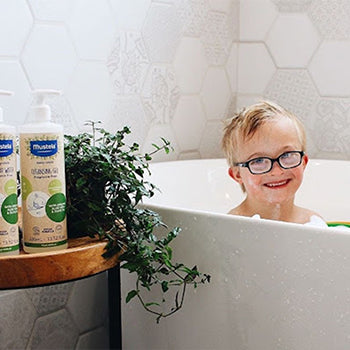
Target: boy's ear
column 305, row 160
column 235, row 174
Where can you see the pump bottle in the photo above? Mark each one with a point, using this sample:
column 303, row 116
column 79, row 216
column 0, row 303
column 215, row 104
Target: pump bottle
column 9, row 237
column 43, row 186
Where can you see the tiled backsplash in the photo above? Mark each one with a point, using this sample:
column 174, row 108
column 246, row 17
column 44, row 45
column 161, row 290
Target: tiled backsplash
column 297, row 53
column 172, row 69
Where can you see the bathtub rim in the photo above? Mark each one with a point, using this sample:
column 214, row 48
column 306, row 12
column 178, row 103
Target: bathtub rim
column 244, row 219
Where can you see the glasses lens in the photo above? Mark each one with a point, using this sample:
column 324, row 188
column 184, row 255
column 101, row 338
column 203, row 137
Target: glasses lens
column 290, row 159
column 260, row 165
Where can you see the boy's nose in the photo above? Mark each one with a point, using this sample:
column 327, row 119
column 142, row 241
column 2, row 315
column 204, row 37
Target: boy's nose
column 276, row 168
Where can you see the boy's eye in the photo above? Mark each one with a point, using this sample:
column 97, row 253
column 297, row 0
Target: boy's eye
column 258, row 161
column 286, row 155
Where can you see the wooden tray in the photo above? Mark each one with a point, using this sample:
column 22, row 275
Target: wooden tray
column 82, row 258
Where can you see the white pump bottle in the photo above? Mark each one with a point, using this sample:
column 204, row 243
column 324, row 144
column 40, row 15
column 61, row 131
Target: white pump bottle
column 43, row 185
column 9, row 237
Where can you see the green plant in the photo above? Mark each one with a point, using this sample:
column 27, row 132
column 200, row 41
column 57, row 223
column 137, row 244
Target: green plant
column 105, row 184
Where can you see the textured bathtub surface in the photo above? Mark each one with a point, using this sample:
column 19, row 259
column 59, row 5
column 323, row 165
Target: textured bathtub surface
column 274, row 286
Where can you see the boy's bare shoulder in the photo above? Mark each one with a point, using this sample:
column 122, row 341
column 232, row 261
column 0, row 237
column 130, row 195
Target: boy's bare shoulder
column 304, row 215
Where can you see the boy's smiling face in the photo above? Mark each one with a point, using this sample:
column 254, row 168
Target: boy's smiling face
column 271, row 140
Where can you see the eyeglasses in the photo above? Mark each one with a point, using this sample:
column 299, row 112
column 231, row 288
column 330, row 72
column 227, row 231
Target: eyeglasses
column 262, row 165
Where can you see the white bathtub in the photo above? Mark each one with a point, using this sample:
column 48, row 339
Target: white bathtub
column 274, row 285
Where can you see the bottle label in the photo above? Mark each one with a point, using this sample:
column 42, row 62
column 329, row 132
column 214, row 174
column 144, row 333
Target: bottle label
column 9, row 238
column 43, row 190
column 43, row 148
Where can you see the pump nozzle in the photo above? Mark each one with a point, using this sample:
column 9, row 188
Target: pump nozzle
column 4, row 93
column 42, row 111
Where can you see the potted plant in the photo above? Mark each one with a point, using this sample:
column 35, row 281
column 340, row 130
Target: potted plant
column 105, row 184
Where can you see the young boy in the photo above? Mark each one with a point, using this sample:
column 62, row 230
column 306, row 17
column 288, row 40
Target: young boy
column 265, row 148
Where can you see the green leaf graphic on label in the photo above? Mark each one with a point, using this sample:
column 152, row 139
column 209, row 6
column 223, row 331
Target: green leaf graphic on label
column 55, row 186
column 26, row 187
column 56, row 207
column 9, row 209
column 10, row 187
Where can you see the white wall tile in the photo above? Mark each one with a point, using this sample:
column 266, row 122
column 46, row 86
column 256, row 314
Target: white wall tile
column 16, row 21
column 329, row 68
column 189, row 122
column 130, row 15
column 90, row 92
column 13, row 78
column 190, row 65
column 256, row 18
column 232, row 67
column 89, row 19
column 255, row 68
column 292, row 40
column 216, row 93
column 49, row 57
column 51, row 10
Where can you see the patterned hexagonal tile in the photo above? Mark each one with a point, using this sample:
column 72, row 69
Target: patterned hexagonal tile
column 92, row 28
column 90, row 92
column 16, row 21
column 160, row 94
column 162, row 22
column 256, row 68
column 128, row 63
column 218, row 35
column 294, row 90
column 215, row 93
column 95, row 339
column 256, row 18
column 193, row 15
column 49, row 56
column 130, row 15
column 292, row 5
column 190, row 65
column 329, row 68
column 189, row 122
column 331, row 131
column 292, row 40
column 13, row 78
column 16, row 321
column 88, row 302
column 129, row 111
column 49, row 298
column 331, row 18
column 154, row 135
column 54, row 331
column 52, row 10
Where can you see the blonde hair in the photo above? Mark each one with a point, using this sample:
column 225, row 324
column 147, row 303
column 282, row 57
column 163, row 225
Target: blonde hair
column 246, row 122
